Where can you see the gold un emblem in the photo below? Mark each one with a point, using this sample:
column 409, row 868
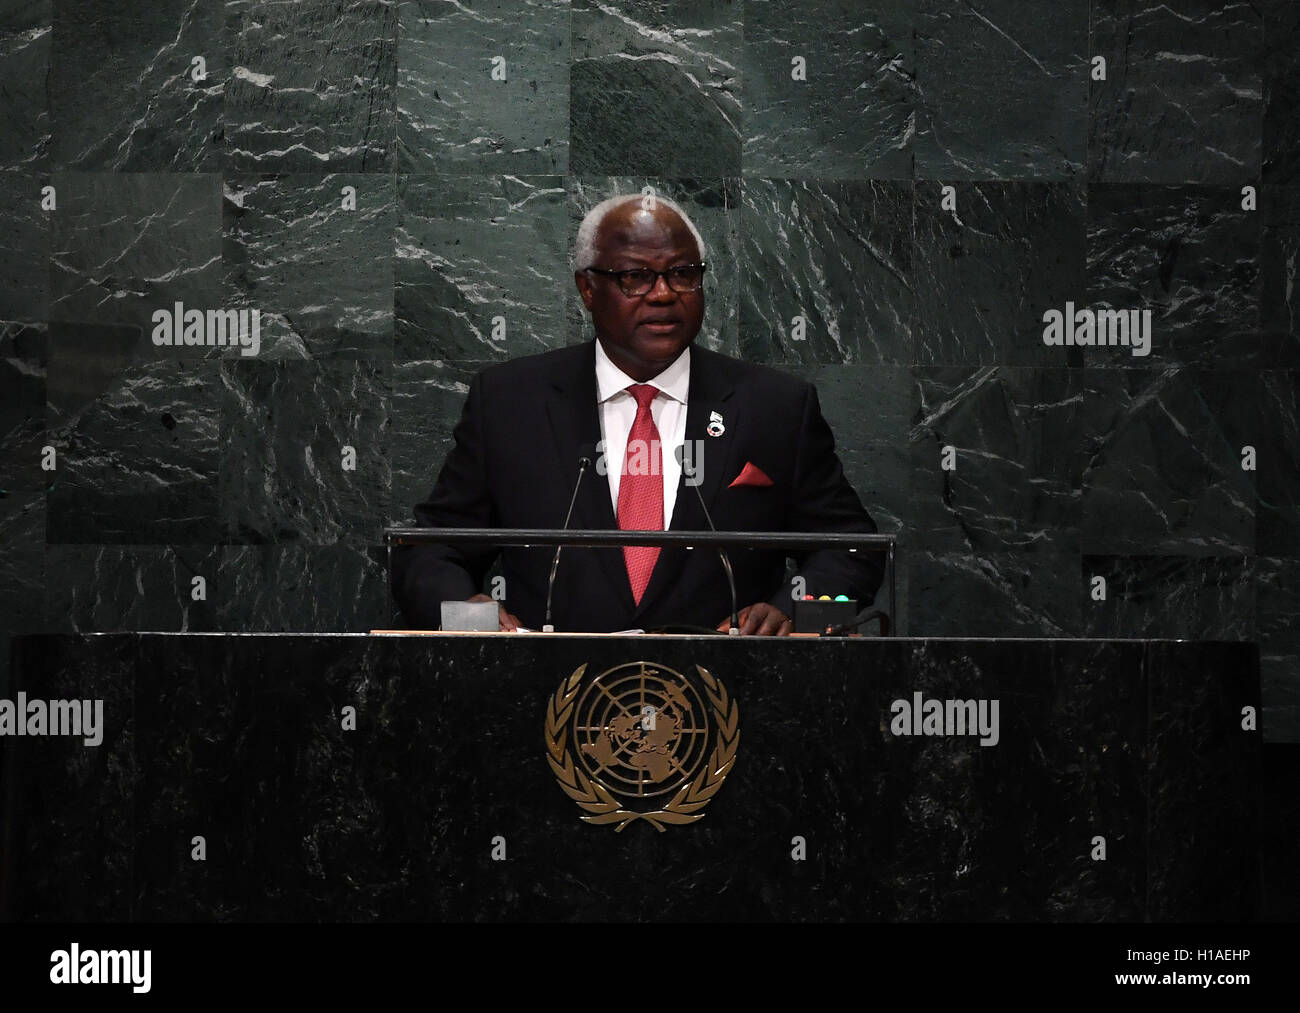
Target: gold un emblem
column 641, row 735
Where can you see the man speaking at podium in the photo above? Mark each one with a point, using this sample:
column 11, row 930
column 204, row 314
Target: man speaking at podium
column 669, row 429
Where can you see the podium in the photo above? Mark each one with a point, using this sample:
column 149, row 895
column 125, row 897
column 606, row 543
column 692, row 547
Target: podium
column 248, row 777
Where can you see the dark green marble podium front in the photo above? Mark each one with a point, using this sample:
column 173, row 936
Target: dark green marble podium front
column 241, row 740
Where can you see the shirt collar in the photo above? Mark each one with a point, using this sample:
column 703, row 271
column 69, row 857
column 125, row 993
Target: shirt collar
column 673, row 381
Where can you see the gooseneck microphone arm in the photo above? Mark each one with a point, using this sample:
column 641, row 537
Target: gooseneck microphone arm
column 689, row 470
column 861, row 620
column 584, row 462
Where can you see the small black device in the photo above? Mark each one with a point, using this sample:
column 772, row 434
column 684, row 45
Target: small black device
column 818, row 615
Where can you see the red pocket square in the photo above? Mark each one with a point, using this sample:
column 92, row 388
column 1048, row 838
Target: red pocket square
column 750, row 474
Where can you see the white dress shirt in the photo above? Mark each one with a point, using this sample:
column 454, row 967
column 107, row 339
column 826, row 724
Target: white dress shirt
column 618, row 412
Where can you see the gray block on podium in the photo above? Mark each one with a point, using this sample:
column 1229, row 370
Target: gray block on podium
column 476, row 616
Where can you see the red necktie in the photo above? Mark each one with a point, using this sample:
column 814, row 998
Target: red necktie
column 641, row 490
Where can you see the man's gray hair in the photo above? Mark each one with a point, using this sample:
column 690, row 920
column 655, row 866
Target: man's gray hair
column 584, row 247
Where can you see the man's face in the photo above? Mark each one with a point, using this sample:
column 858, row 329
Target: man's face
column 642, row 334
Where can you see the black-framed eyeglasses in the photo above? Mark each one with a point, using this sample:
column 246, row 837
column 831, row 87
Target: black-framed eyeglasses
column 640, row 280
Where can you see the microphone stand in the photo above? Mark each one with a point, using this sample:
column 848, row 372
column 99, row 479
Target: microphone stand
column 584, row 463
column 689, row 472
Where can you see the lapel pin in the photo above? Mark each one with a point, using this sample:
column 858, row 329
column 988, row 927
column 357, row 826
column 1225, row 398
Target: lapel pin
column 715, row 426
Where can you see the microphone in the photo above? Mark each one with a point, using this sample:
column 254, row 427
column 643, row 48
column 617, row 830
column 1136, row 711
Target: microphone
column 688, row 470
column 584, row 462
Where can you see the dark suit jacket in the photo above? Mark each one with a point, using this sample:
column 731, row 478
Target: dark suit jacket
column 515, row 459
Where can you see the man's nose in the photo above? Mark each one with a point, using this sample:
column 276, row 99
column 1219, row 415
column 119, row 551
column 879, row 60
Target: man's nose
column 660, row 291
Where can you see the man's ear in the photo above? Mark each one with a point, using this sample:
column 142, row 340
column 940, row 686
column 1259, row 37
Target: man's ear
column 583, row 280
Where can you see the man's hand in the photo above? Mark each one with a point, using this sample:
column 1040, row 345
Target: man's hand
column 509, row 623
column 760, row 619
